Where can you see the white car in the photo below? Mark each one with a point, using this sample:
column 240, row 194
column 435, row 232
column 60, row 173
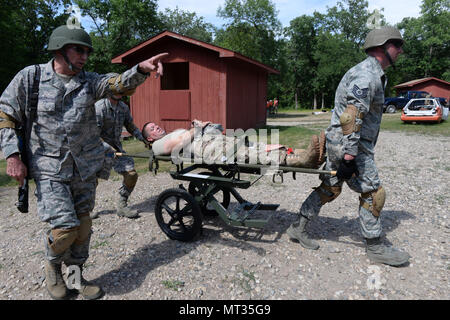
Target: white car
column 424, row 109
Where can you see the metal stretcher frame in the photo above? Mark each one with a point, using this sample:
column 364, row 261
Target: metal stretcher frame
column 179, row 212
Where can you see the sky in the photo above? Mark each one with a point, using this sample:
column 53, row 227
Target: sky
column 394, row 10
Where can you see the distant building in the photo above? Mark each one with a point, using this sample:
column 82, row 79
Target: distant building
column 200, row 81
column 435, row 86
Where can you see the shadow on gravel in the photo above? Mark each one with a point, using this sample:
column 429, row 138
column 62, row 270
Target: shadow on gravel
column 142, row 207
column 133, row 272
column 333, row 228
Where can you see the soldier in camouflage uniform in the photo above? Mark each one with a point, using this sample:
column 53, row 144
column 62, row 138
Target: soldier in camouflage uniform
column 350, row 144
column 112, row 115
column 65, row 150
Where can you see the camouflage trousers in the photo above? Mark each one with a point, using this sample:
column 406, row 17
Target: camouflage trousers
column 123, row 165
column 367, row 180
column 58, row 203
column 219, row 148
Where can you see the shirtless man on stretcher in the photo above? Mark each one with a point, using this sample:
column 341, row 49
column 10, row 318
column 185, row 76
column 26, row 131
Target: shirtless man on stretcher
column 206, row 141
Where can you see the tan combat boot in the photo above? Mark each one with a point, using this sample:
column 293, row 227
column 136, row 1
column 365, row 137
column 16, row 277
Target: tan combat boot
column 380, row 253
column 123, row 210
column 88, row 290
column 297, row 231
column 55, row 284
column 305, row 158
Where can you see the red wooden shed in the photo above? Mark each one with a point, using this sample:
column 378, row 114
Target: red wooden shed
column 435, row 86
column 200, row 81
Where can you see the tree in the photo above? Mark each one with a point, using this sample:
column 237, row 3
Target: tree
column 252, row 30
column 322, row 47
column 187, row 24
column 302, row 35
column 26, row 27
column 119, row 25
column 427, row 43
column 348, row 19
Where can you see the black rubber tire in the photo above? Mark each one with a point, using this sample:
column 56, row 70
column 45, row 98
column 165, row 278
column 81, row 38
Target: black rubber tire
column 391, row 109
column 182, row 212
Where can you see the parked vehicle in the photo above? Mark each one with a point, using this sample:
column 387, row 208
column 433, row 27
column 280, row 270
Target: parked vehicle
column 424, row 109
column 396, row 103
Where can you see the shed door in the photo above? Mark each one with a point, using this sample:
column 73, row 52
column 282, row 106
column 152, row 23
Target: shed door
column 175, row 96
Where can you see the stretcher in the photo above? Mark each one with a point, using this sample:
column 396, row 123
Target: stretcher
column 179, row 212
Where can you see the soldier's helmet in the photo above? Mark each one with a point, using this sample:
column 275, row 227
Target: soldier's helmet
column 64, row 35
column 378, row 37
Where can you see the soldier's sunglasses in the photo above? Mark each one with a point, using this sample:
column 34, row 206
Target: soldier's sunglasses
column 397, row 43
column 80, row 50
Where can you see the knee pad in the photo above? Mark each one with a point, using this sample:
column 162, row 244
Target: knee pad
column 348, row 120
column 130, row 179
column 84, row 230
column 378, row 198
column 328, row 193
column 62, row 239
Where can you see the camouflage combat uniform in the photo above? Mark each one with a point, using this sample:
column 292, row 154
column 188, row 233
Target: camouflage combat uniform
column 362, row 86
column 66, row 150
column 110, row 120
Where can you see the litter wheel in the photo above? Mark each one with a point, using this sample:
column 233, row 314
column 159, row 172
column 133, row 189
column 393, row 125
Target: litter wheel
column 223, row 196
column 178, row 215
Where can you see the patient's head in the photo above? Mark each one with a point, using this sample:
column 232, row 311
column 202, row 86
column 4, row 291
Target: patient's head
column 152, row 132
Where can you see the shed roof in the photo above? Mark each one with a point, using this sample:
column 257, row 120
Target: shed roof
column 417, row 81
column 223, row 53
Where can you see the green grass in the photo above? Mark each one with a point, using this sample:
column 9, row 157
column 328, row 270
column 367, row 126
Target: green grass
column 5, row 180
column 99, row 244
column 173, row 284
column 134, row 146
column 392, row 122
column 294, row 137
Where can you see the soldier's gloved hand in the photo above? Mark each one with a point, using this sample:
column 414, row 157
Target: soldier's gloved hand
column 346, row 169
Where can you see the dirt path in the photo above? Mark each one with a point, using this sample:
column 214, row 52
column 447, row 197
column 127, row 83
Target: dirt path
column 134, row 259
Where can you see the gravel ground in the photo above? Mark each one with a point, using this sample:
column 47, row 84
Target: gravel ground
column 133, row 259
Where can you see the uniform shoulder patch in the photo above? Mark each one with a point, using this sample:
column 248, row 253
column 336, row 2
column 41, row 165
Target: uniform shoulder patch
column 360, row 93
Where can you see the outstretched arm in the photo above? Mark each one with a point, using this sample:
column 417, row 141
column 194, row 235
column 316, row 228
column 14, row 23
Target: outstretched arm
column 153, row 64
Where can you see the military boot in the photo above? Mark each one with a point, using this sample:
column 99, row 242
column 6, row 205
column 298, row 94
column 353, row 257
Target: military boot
column 123, row 210
column 55, row 284
column 380, row 253
column 308, row 158
column 88, row 290
column 297, row 231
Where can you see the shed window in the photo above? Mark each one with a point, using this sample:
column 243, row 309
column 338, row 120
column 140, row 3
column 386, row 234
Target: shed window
column 176, row 76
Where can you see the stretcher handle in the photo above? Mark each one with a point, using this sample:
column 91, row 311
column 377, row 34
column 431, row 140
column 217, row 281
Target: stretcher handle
column 282, row 168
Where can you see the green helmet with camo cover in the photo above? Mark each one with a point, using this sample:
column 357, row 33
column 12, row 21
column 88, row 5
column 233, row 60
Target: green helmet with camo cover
column 379, row 37
column 64, row 35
